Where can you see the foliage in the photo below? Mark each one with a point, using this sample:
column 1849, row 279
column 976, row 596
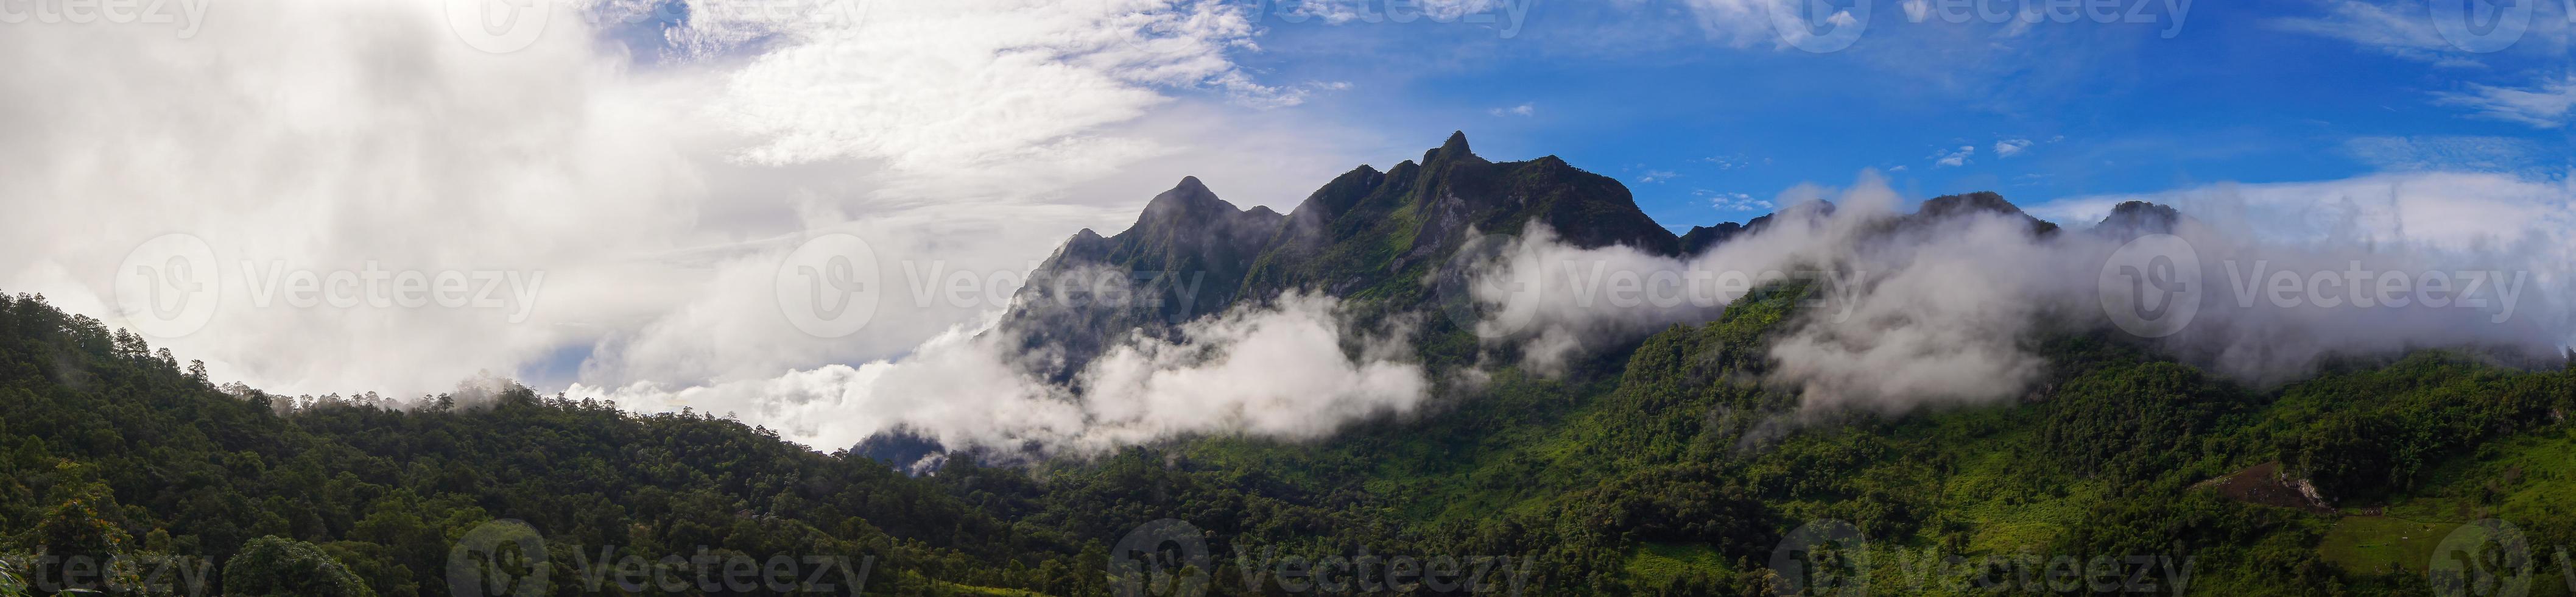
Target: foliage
column 273, row 567
column 1662, row 467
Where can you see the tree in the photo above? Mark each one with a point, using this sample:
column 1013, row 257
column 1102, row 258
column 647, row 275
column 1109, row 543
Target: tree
column 274, row 567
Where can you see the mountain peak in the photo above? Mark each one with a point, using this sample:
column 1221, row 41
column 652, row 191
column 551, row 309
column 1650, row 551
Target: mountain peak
column 1946, row 205
column 1980, row 201
column 1454, row 149
column 1190, row 199
column 2135, row 218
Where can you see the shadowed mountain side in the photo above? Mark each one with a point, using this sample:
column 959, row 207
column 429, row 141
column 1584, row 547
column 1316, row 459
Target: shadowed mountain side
column 1366, row 235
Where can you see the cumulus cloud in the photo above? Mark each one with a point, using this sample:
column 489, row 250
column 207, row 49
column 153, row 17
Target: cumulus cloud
column 1947, row 158
column 2011, row 147
column 1277, row 371
column 1921, row 310
column 1746, row 23
column 655, row 199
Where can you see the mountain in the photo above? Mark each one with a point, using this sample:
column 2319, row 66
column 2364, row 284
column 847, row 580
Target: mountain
column 2131, row 219
column 1949, row 206
column 1184, row 258
column 1700, row 238
column 1366, row 235
column 1666, row 466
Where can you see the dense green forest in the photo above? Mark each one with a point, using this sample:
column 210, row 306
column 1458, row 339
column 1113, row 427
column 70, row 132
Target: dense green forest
column 1663, row 469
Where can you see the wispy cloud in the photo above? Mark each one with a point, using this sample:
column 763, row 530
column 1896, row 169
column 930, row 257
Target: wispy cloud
column 2452, row 153
column 1734, row 201
column 1520, row 110
column 1734, row 162
column 2400, row 29
column 1654, row 176
column 2545, row 105
column 1946, row 158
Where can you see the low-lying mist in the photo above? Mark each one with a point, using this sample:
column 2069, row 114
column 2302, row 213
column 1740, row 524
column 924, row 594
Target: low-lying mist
column 1931, row 307
column 1941, row 305
column 1274, row 370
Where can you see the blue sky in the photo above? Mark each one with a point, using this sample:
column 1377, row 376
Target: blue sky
column 662, row 160
column 1688, row 112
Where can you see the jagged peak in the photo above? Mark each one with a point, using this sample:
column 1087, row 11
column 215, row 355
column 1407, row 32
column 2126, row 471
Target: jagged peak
column 1453, row 150
column 2140, row 217
column 1188, row 197
column 1977, row 201
column 2135, row 209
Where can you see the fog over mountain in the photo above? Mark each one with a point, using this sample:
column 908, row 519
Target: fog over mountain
column 1939, row 305
column 1294, row 326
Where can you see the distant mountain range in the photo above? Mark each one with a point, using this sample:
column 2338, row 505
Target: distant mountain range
column 1366, row 235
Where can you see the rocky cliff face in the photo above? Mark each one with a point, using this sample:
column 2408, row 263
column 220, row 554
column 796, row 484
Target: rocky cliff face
column 1369, row 237
column 1367, row 234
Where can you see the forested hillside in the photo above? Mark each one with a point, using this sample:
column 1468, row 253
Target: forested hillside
column 1649, row 477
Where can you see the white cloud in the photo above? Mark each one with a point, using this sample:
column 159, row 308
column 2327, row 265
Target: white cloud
column 1734, row 201
column 1941, row 311
column 1656, row 176
column 1520, row 110
column 1746, row 23
column 2546, row 104
column 2011, row 147
column 331, row 134
column 1953, row 158
column 1271, row 372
